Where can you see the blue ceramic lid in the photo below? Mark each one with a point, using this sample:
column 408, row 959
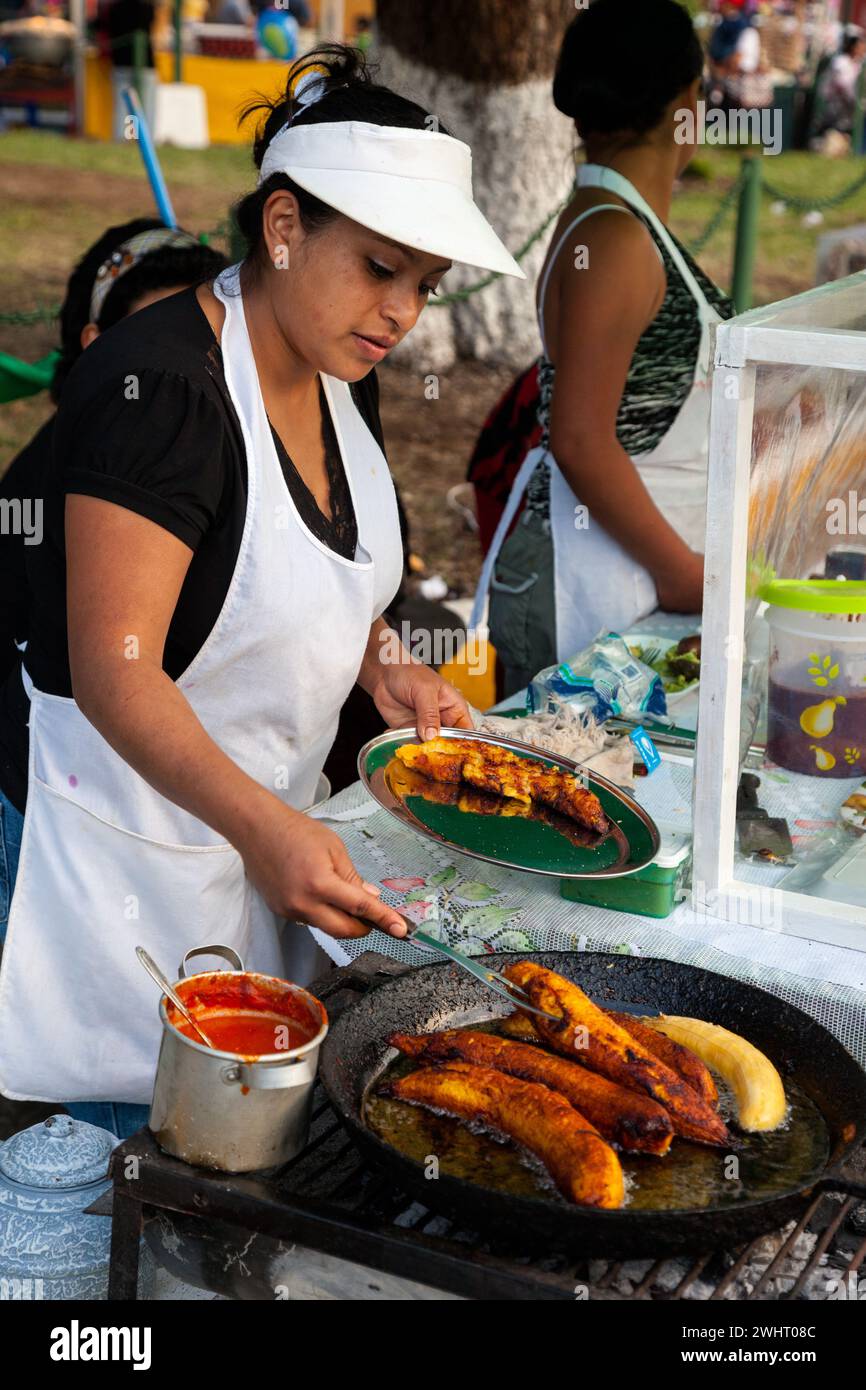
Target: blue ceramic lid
column 58, row 1153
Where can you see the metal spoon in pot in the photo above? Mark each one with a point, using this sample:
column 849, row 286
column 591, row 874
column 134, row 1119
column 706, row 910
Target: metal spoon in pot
column 156, row 974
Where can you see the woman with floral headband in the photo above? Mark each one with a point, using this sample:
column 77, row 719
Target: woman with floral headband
column 155, row 261
column 231, row 542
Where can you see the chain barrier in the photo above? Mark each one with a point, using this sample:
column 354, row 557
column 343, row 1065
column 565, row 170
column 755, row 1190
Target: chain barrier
column 458, row 296
column 833, row 200
column 696, row 246
column 27, row 318
column 221, row 231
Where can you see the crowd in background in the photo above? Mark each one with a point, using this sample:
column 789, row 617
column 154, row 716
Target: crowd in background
column 754, row 48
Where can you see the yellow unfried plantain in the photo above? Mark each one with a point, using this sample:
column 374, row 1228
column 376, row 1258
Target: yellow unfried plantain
column 757, row 1086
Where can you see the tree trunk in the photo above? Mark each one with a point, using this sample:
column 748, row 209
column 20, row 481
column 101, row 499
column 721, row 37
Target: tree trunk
column 484, row 68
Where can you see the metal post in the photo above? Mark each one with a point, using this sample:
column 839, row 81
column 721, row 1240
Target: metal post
column 332, row 21
column 126, row 1226
column 748, row 213
column 178, row 41
column 149, row 156
column 78, row 18
column 139, row 58
column 857, row 128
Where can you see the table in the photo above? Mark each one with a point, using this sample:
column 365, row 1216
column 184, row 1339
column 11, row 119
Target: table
column 328, row 1226
column 827, row 982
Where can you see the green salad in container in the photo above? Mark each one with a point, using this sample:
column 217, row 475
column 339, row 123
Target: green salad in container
column 679, row 665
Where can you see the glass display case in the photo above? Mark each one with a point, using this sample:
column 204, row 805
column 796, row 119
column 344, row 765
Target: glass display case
column 780, row 771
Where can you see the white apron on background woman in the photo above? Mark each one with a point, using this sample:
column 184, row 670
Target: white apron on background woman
column 599, row 586
column 107, row 863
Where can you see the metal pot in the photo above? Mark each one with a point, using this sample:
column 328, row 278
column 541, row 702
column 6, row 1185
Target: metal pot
column 50, row 1246
column 38, row 40
column 214, row 1109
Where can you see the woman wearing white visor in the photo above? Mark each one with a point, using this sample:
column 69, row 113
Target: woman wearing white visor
column 231, row 543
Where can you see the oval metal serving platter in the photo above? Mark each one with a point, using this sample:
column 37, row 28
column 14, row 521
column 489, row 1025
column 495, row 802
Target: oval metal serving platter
column 497, row 830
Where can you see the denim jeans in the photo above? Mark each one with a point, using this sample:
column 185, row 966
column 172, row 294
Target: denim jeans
column 120, row 1119
column 11, row 825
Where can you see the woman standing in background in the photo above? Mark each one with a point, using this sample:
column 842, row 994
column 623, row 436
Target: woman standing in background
column 615, row 513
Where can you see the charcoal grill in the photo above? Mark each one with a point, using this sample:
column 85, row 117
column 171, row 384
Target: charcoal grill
column 228, row 1234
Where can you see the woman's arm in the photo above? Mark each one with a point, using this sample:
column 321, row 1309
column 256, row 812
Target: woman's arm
column 405, row 690
column 602, row 311
column 124, row 576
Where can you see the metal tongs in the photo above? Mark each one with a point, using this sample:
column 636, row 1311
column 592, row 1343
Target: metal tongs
column 500, row 984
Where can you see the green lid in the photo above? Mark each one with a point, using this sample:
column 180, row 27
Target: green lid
column 816, row 595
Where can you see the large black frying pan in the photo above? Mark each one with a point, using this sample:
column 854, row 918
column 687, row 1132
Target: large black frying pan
column 437, row 996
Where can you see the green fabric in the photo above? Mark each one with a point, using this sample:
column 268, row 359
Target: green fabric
column 19, row 379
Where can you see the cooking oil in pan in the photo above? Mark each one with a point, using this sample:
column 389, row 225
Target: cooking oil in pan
column 688, row 1176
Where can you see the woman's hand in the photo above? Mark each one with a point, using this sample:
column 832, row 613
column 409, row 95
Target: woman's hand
column 682, row 590
column 411, row 693
column 299, row 866
column 304, row 873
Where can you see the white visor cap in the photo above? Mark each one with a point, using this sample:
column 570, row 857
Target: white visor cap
column 414, row 186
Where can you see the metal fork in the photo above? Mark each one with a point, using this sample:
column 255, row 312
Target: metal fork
column 499, row 983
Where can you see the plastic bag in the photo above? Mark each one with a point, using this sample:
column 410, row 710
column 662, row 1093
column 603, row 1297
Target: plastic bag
column 604, row 680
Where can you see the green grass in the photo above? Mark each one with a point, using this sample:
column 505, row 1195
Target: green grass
column 60, row 195
column 64, row 192
column 786, row 252
column 191, row 168
column 786, row 255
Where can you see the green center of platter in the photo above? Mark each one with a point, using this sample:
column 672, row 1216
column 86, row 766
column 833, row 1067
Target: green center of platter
column 511, row 833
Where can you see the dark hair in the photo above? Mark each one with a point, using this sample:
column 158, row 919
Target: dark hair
column 622, row 62
column 850, row 42
column 351, row 95
column 165, row 268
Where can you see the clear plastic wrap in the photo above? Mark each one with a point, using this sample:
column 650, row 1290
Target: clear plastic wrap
column 807, row 478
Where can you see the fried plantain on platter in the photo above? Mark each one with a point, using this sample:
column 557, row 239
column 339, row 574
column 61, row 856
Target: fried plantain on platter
column 405, row 781
column 497, row 770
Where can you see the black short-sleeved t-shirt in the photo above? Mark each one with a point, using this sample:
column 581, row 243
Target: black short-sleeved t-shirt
column 21, row 483
column 146, row 421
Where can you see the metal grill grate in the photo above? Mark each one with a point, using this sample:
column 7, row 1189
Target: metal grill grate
column 330, row 1199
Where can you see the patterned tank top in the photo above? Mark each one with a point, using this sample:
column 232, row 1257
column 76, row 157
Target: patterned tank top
column 659, row 379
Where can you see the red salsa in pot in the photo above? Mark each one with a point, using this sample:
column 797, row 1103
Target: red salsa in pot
column 247, row 1015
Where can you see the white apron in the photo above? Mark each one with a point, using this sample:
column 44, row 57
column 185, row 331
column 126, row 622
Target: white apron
column 107, row 863
column 598, row 585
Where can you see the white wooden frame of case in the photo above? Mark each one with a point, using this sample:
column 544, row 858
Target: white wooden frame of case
column 776, row 335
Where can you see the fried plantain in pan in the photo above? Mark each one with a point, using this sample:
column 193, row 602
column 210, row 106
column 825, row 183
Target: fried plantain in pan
column 623, row 1117
column 585, row 1168
column 588, row 1033
column 682, row 1060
